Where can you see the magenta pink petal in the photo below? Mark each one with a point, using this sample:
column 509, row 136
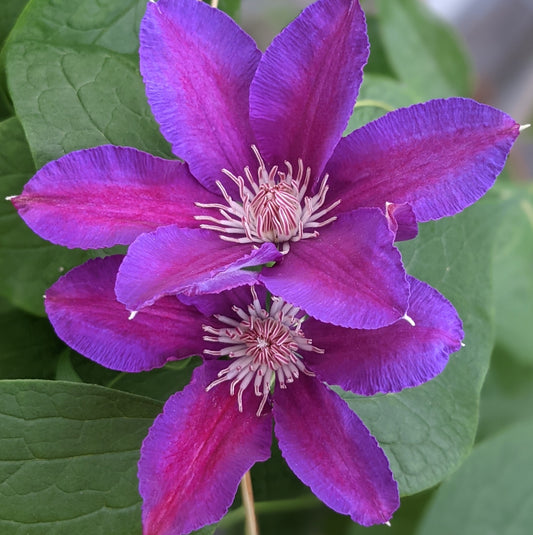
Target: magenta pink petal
column 391, row 358
column 196, row 453
column 197, row 65
column 108, row 195
column 174, row 260
column 439, row 157
column 328, row 447
column 86, row 315
column 351, row 275
column 305, row 87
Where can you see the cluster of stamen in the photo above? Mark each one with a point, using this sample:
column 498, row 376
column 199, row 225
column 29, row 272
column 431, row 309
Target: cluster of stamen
column 273, row 207
column 262, row 346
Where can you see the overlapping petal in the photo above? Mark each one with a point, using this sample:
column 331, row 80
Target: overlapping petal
column 197, row 66
column 394, row 357
column 84, row 311
column 402, row 221
column 305, row 87
column 108, row 195
column 223, row 303
column 195, row 454
column 440, row 157
column 329, row 448
column 351, row 275
column 173, row 260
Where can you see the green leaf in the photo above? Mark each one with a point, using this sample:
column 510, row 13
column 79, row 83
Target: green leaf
column 491, row 493
column 513, row 280
column 158, row 384
column 111, row 25
column 28, row 264
column 69, row 457
column 507, row 395
column 11, row 9
column 378, row 95
column 231, row 7
column 74, row 97
column 64, row 370
column 427, row 431
column 423, row 50
column 377, row 61
column 28, row 346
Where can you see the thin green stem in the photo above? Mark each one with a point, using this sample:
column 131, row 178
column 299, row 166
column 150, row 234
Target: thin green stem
column 367, row 102
column 116, row 379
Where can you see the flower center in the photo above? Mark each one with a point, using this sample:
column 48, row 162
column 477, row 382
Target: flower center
column 262, row 346
column 273, row 207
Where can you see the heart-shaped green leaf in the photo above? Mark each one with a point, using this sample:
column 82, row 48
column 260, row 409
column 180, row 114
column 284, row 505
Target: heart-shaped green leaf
column 492, row 492
column 69, row 455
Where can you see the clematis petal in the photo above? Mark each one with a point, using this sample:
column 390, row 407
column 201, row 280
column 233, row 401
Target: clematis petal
column 174, row 260
column 197, row 65
column 86, row 314
column 223, row 303
column 391, row 358
column 440, row 157
column 328, row 447
column 108, row 195
column 305, row 87
column 195, row 454
column 402, row 221
column 351, row 275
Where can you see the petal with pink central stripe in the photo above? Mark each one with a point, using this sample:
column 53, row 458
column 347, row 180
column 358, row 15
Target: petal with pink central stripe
column 197, row 66
column 439, row 156
column 350, row 275
column 109, row 195
column 329, row 448
column 305, row 87
column 85, row 313
column 195, row 454
column 174, row 260
column 392, row 358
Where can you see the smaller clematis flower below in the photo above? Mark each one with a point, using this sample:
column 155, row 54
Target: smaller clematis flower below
column 268, row 177
column 264, row 360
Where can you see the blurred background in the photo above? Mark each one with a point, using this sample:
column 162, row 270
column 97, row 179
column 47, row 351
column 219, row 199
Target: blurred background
column 497, row 36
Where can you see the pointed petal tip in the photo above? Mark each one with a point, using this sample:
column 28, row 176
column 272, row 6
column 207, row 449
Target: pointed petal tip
column 523, row 127
column 11, row 197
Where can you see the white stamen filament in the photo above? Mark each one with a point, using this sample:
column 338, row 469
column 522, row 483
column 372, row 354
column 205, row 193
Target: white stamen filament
column 262, row 346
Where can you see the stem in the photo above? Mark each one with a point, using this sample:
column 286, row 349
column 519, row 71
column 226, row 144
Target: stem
column 247, row 492
column 374, row 103
column 270, row 507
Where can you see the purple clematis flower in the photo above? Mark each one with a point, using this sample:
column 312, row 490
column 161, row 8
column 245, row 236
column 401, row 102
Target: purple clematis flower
column 269, row 177
column 213, row 431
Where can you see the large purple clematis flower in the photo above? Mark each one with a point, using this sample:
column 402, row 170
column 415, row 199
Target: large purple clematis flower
column 213, row 431
column 268, row 176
